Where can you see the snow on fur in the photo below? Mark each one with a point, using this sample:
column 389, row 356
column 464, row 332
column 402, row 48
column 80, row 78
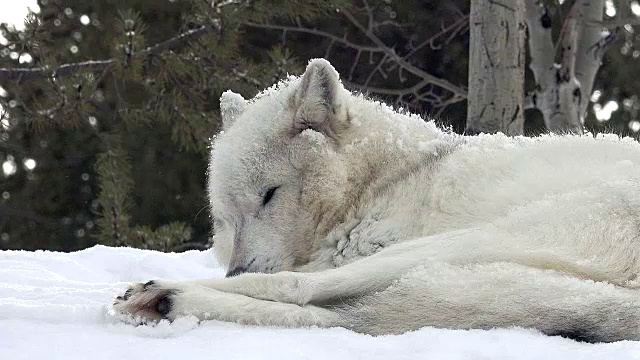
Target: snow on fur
column 55, row 306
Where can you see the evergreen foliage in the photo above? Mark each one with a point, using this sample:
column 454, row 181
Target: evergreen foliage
column 130, row 120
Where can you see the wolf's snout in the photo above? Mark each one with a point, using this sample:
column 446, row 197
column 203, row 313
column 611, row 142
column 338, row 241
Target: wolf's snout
column 236, row 271
column 240, row 269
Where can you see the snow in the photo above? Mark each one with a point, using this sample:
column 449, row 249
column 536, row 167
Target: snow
column 56, row 306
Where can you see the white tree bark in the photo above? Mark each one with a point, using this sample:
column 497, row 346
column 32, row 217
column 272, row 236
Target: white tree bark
column 496, row 67
column 564, row 73
column 590, row 48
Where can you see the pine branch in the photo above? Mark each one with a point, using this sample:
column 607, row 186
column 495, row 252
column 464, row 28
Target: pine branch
column 6, row 212
column 25, row 74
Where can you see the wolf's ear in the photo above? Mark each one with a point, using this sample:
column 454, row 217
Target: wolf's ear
column 318, row 100
column 231, row 106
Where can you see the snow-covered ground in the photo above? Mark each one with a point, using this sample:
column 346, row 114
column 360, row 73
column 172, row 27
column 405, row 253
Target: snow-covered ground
column 55, row 306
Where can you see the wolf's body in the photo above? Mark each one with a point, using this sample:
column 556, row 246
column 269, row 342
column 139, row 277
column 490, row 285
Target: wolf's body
column 333, row 210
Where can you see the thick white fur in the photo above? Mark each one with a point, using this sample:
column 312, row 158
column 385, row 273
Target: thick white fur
column 383, row 223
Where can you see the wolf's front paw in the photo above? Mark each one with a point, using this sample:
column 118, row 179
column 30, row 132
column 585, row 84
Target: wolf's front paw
column 144, row 303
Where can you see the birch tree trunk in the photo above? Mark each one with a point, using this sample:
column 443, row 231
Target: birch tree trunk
column 590, row 48
column 496, row 67
column 564, row 73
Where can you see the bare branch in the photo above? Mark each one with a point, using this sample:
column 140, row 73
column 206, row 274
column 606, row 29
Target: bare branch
column 370, row 18
column 454, row 28
column 387, row 91
column 611, row 23
column 377, row 69
column 404, row 65
column 342, row 40
column 412, row 95
column 24, row 74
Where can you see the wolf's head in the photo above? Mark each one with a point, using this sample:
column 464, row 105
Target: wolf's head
column 276, row 181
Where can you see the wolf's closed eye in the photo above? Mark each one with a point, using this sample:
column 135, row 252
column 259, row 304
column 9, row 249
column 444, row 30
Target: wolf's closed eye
column 268, row 195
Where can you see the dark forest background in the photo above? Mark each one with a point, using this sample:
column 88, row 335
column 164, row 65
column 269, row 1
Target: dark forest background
column 108, row 106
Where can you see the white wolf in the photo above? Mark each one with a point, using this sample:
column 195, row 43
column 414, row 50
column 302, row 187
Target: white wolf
column 334, row 210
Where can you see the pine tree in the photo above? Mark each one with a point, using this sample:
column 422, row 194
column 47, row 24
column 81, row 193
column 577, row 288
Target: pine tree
column 117, row 109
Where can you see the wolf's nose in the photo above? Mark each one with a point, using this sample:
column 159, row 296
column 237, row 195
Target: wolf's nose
column 237, row 271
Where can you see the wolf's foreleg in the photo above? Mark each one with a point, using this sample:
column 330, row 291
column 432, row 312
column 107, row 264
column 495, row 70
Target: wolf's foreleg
column 373, row 273
column 155, row 301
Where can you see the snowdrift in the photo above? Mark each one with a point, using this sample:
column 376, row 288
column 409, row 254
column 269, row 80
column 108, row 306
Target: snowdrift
column 56, row 306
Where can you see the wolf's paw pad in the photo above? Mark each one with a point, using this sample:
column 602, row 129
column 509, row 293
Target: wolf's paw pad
column 145, row 303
